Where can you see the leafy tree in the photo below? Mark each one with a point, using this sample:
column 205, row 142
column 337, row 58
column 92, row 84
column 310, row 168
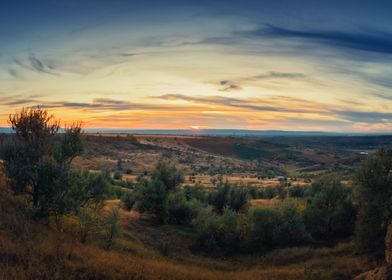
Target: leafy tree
column 154, row 193
column 330, row 211
column 279, row 226
column 37, row 161
column 228, row 196
column 153, row 199
column 374, row 193
column 226, row 233
column 181, row 210
column 168, row 175
column 197, row 192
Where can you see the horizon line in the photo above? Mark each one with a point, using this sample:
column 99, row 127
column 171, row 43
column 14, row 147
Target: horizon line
column 223, row 131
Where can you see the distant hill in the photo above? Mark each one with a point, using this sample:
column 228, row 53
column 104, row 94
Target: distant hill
column 220, row 132
column 228, row 132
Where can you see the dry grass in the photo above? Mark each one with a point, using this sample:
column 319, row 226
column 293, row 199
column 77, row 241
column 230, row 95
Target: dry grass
column 32, row 250
column 265, row 202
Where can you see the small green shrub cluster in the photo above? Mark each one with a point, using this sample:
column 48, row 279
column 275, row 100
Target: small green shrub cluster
column 229, row 196
column 330, row 212
column 258, row 229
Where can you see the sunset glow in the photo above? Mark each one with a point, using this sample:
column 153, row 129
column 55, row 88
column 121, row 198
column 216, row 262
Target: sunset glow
column 248, row 65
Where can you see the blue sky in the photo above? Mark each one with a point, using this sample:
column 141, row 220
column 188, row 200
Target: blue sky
column 294, row 65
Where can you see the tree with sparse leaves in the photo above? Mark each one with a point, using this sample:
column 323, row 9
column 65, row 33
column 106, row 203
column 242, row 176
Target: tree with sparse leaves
column 37, row 161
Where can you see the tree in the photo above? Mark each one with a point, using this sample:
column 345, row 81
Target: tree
column 153, row 199
column 330, row 211
column 168, row 175
column 180, row 210
column 374, row 193
column 279, row 226
column 226, row 195
column 154, row 193
column 37, row 161
column 112, row 226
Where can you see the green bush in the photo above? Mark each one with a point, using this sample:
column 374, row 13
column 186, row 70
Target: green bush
column 269, row 192
column 153, row 199
column 180, row 210
column 154, row 193
column 224, row 233
column 373, row 182
column 280, row 226
column 129, row 200
column 168, row 175
column 118, row 175
column 89, row 222
column 228, row 196
column 330, row 212
column 296, row 191
column 197, row 192
column 112, row 226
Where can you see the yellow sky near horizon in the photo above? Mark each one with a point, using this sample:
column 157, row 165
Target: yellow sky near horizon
column 211, row 71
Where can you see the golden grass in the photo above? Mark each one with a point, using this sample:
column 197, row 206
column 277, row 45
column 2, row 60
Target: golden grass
column 265, row 202
column 32, row 250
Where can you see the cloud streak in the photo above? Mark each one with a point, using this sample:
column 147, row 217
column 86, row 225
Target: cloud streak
column 33, row 64
column 376, row 42
column 253, row 104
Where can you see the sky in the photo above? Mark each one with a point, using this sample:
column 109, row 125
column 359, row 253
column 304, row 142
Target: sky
column 284, row 65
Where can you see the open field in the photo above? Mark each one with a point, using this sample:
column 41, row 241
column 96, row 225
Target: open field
column 239, row 160
column 261, row 161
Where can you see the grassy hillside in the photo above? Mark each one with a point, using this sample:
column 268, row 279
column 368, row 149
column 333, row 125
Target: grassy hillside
column 38, row 250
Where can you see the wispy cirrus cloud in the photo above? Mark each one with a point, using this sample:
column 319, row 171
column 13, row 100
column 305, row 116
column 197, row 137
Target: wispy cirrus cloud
column 95, row 105
column 282, row 104
column 249, row 104
column 238, row 82
column 32, row 63
column 377, row 42
column 364, row 116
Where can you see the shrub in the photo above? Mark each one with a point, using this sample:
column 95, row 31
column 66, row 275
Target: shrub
column 112, row 226
column 154, row 193
column 196, row 192
column 280, row 226
column 89, row 222
column 118, row 175
column 221, row 234
column 292, row 230
column 168, row 175
column 181, row 210
column 373, row 182
column 129, row 199
column 296, row 191
column 153, row 199
column 269, row 192
column 329, row 212
column 228, row 196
